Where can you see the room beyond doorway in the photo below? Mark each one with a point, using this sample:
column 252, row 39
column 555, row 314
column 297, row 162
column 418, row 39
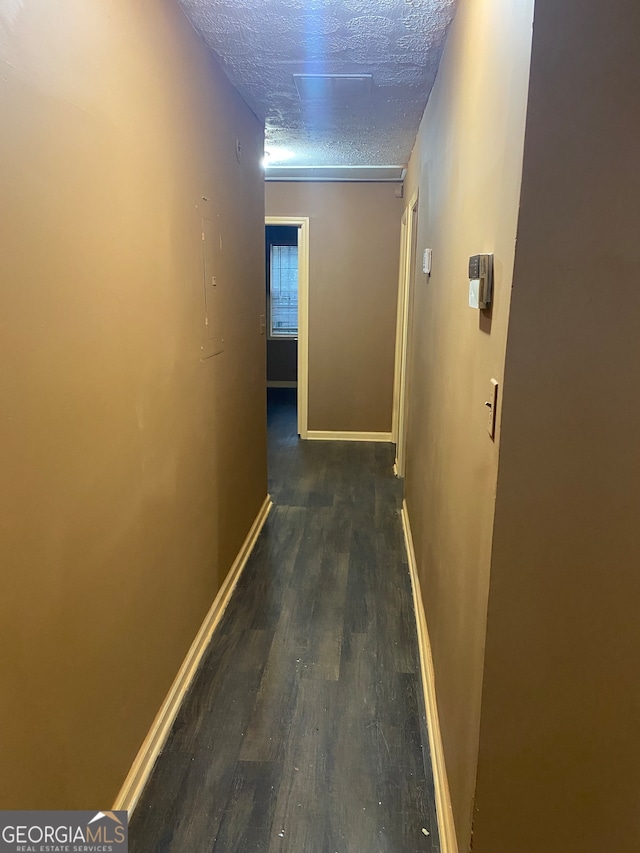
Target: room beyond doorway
column 287, row 283
column 281, row 263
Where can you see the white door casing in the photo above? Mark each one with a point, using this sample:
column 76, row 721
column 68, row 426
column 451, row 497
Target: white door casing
column 403, row 326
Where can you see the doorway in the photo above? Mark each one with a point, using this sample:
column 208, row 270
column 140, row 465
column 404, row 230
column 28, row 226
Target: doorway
column 287, row 265
column 281, row 261
column 408, row 247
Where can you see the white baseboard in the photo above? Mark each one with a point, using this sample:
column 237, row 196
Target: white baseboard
column 446, row 826
column 277, row 383
column 329, row 435
column 146, row 758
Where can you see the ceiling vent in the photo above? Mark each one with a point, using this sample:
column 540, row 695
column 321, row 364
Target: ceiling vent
column 333, row 87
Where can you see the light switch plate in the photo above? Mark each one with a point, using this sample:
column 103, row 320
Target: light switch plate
column 492, row 405
column 426, row 262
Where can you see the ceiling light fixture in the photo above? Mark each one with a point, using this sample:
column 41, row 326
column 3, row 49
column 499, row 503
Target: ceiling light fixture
column 273, row 155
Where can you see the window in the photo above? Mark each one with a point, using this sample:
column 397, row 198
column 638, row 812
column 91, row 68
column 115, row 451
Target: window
column 283, row 302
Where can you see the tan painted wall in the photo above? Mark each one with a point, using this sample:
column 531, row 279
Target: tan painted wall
column 354, row 245
column 559, row 766
column 131, row 471
column 467, row 164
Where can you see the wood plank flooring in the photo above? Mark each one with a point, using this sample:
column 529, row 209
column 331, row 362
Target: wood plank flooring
column 304, row 731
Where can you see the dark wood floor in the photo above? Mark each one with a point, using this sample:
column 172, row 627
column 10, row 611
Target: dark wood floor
column 304, row 730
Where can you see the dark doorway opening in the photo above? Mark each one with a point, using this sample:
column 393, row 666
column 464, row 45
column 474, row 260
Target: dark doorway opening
column 281, row 243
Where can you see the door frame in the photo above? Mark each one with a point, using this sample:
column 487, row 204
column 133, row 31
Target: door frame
column 302, row 224
column 406, row 281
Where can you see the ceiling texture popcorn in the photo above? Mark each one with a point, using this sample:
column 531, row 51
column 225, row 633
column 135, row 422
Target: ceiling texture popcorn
column 261, row 44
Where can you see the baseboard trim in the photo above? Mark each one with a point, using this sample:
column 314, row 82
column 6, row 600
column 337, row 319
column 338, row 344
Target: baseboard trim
column 330, row 435
column 142, row 766
column 446, row 826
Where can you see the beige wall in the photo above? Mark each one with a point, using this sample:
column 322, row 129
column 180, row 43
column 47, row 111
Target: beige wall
column 354, row 245
column 467, row 164
column 131, row 470
column 559, row 766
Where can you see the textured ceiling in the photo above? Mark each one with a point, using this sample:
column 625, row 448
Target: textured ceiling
column 263, row 43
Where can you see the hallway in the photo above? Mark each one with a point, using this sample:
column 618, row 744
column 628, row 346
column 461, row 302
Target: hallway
column 304, row 729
